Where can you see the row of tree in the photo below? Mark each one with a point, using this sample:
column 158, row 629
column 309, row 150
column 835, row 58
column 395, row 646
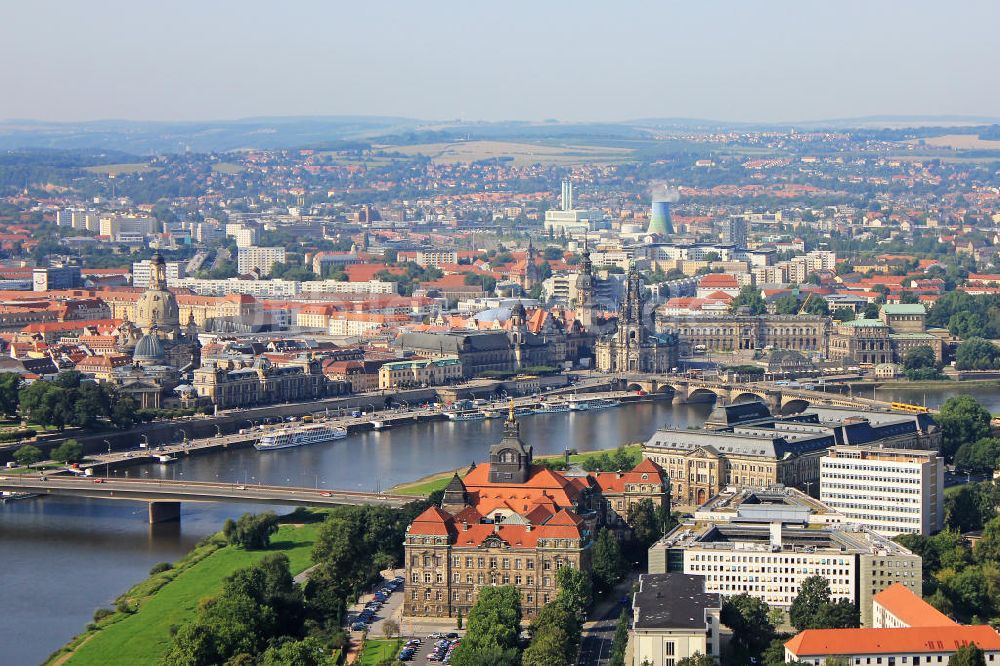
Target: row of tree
column 555, row 633
column 261, row 618
column 493, row 630
column 67, row 400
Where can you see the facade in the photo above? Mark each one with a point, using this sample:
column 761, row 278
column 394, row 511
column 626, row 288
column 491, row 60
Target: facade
column 769, row 554
column 918, row 645
column 892, row 491
column 898, row 330
column 56, row 277
column 760, row 451
column 512, row 522
column 419, row 372
column 632, row 347
column 802, row 333
column 261, row 259
column 233, row 383
column 673, row 618
column 427, row 258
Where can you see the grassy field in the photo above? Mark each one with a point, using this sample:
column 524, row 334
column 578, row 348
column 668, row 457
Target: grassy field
column 170, row 598
column 227, row 167
column 522, row 153
column 119, row 169
column 378, row 650
column 428, row 485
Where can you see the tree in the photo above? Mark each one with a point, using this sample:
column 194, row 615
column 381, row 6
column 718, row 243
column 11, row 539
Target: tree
column 390, row 628
column 968, row 655
column 28, row 455
column 977, row 354
column 843, row 314
column 749, row 619
column 816, row 306
column 251, row 531
column 308, row 652
column 646, row 524
column 919, row 358
column 787, row 305
column 620, row 640
column 70, row 451
column 493, row 629
column 10, row 384
column 840, row 614
column 749, row 297
column 813, row 597
column 988, row 547
column 608, row 562
column 979, row 456
column 697, row 659
column 574, row 590
column 962, row 419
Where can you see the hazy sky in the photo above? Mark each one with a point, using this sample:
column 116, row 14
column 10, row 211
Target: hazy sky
column 756, row 60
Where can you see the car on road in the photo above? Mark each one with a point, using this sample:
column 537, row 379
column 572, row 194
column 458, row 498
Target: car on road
column 95, row 480
column 326, row 494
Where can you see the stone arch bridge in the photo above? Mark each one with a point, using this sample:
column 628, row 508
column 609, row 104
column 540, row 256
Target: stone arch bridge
column 779, row 399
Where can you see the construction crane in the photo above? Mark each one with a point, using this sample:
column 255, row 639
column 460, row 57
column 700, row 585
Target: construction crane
column 805, row 303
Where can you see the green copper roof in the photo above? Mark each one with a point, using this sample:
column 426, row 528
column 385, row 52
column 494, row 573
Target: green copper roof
column 907, row 309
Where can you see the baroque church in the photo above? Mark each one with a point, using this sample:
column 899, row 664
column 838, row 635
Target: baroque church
column 514, row 522
column 161, row 349
column 634, row 347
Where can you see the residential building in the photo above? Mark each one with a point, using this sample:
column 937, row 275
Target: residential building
column 892, row 491
column 141, row 270
column 436, row 258
column 259, row 259
column 673, row 618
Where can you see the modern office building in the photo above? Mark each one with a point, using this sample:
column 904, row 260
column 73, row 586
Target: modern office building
column 892, row 491
column 56, row 277
column 673, row 618
column 770, row 550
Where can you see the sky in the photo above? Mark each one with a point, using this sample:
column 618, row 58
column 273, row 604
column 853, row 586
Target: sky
column 736, row 60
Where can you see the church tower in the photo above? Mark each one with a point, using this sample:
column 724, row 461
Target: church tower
column 585, row 290
column 510, row 458
column 518, row 332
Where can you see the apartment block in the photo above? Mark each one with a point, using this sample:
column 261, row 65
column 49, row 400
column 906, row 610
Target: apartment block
column 259, row 259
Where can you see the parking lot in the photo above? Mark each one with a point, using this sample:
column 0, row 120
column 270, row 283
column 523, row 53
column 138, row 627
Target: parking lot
column 433, row 649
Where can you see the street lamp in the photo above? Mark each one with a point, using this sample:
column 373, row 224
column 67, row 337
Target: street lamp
column 145, row 440
column 107, row 461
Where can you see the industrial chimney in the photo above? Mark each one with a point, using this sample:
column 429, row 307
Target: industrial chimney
column 659, row 220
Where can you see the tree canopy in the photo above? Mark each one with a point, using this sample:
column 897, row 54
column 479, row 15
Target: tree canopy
column 750, row 299
column 962, row 420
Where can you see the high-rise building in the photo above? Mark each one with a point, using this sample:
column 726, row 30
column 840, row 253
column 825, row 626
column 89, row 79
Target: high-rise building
column 141, row 271
column 56, row 277
column 259, row 258
column 736, row 231
column 892, row 491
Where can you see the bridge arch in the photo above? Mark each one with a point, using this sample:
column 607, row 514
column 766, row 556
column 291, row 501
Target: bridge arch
column 748, row 397
column 634, row 387
column 794, row 406
column 702, row 395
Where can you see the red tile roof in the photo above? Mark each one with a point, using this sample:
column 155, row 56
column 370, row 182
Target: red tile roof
column 916, row 640
column 911, row 609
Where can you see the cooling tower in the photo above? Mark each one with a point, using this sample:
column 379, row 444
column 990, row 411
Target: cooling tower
column 659, row 221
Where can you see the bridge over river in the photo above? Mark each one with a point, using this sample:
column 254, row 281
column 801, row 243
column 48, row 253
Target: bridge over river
column 164, row 496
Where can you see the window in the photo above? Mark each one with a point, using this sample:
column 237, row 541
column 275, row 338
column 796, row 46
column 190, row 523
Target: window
column 427, row 578
column 668, row 648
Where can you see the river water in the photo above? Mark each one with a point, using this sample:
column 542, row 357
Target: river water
column 61, row 558
column 988, row 395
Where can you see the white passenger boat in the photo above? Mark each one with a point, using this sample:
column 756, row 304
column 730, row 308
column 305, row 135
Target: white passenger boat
column 469, row 415
column 552, row 408
column 286, row 438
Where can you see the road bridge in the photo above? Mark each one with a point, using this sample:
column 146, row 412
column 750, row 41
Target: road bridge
column 781, row 399
column 164, row 496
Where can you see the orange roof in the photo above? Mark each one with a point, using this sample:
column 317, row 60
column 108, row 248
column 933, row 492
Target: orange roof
column 911, row 609
column 432, row 521
column 718, row 280
column 915, row 640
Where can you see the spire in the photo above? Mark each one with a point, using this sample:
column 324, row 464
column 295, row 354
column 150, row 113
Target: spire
column 510, row 412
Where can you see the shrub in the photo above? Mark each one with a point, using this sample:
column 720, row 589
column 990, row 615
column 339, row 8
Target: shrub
column 102, row 613
column 160, row 567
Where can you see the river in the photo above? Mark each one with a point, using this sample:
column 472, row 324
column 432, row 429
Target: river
column 988, row 394
column 61, row 558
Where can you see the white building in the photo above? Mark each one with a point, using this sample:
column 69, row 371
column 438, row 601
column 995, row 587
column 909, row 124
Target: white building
column 141, row 271
column 768, row 557
column 436, row 258
column 245, row 235
column 673, row 618
column 892, row 491
column 259, row 258
column 568, row 220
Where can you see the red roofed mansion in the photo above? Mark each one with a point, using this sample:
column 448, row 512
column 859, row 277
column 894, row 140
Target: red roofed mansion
column 512, row 522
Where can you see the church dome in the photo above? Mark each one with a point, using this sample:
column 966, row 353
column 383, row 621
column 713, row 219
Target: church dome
column 159, row 307
column 149, row 349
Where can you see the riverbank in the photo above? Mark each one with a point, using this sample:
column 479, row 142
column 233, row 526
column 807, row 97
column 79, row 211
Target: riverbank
column 139, row 629
column 434, row 482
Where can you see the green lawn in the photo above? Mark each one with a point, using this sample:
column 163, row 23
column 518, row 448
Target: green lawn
column 143, row 637
column 378, row 650
column 438, row 482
